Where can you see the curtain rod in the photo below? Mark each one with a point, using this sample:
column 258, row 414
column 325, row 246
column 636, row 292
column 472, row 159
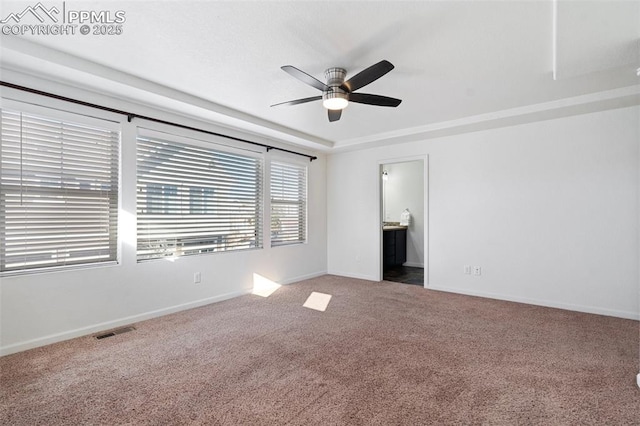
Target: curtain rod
column 131, row 116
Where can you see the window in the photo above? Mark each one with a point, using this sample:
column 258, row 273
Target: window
column 288, row 204
column 58, row 191
column 193, row 199
column 198, row 200
column 159, row 196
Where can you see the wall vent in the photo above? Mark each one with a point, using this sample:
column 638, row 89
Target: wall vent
column 114, row 332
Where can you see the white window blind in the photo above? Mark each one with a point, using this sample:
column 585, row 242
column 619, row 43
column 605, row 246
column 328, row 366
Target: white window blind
column 288, row 204
column 58, row 192
column 194, row 199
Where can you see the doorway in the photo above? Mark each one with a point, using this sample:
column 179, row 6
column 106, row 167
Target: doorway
column 403, row 195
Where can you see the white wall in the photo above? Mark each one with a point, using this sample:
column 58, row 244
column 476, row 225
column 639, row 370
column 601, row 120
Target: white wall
column 41, row 308
column 404, row 189
column 548, row 210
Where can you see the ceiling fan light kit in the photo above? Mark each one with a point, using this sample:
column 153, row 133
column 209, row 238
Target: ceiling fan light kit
column 335, row 97
column 337, row 93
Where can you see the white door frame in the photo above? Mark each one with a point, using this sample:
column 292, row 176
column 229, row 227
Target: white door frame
column 425, row 174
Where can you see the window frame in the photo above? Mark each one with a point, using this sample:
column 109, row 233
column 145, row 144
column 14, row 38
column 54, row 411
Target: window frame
column 288, row 162
column 179, row 136
column 75, row 115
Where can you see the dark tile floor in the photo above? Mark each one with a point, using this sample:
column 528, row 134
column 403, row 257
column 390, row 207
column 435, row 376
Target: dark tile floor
column 404, row 274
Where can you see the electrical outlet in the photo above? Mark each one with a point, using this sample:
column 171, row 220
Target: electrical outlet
column 197, row 278
column 477, row 270
column 467, row 269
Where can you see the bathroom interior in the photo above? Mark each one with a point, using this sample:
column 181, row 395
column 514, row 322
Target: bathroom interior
column 403, row 226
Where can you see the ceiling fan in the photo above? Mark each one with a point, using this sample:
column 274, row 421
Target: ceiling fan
column 337, row 93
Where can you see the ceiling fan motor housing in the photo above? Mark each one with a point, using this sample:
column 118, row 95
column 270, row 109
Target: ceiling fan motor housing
column 335, row 77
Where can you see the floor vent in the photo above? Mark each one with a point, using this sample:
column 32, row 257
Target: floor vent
column 114, row 332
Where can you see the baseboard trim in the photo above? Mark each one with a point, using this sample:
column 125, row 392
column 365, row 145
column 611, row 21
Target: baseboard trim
column 350, row 275
column 414, row 265
column 302, row 278
column 83, row 331
column 540, row 302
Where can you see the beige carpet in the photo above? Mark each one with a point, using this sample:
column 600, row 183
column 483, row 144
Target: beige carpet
column 381, row 354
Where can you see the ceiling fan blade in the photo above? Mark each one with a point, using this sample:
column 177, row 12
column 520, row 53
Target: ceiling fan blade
column 367, row 76
column 365, row 98
column 305, row 78
column 334, row 114
column 299, row 101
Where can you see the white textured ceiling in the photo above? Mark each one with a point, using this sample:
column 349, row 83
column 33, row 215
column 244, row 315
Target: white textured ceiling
column 455, row 61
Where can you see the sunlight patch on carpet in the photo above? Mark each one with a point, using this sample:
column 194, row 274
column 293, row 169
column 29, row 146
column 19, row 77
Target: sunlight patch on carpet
column 317, row 301
column 263, row 286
